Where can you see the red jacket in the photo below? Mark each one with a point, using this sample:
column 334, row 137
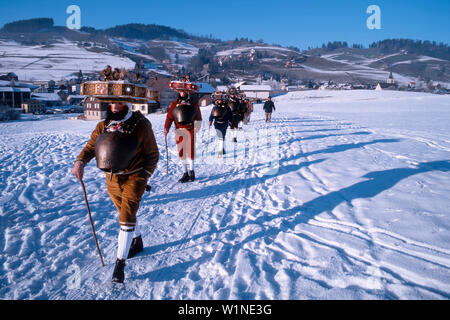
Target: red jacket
column 170, row 119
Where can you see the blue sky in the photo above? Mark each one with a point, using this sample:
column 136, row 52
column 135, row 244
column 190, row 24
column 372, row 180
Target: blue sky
column 290, row 22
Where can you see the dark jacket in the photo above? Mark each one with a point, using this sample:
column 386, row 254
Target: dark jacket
column 170, row 119
column 269, row 106
column 224, row 120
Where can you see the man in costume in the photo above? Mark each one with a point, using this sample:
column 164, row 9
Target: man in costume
column 186, row 115
column 235, row 107
column 249, row 111
column 243, row 108
column 125, row 138
column 222, row 117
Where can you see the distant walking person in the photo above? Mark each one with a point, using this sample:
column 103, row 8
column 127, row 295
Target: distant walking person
column 269, row 107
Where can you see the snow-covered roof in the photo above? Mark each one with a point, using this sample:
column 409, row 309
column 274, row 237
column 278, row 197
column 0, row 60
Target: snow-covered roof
column 76, row 96
column 221, row 88
column 46, row 96
column 5, row 83
column 255, row 87
column 11, row 89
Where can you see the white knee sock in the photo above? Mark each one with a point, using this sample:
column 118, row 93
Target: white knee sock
column 191, row 164
column 221, row 145
column 124, row 242
column 184, row 165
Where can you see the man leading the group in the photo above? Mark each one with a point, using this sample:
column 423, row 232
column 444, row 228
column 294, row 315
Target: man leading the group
column 125, row 148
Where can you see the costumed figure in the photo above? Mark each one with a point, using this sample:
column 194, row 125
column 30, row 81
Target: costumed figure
column 222, row 117
column 186, row 115
column 236, row 109
column 125, row 149
column 249, row 111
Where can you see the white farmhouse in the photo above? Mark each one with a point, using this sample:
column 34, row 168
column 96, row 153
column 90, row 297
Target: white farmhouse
column 256, row 92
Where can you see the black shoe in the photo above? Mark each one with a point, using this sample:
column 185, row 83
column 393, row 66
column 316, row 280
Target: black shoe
column 136, row 246
column 191, row 175
column 118, row 274
column 234, row 139
column 185, row 178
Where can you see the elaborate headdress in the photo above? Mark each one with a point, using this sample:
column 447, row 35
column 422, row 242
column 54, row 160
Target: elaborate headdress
column 114, row 87
column 184, row 85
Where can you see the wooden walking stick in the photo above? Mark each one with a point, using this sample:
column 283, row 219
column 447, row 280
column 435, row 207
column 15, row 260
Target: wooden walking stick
column 92, row 222
column 167, row 155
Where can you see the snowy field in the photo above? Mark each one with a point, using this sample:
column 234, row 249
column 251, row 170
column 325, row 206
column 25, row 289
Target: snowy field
column 348, row 200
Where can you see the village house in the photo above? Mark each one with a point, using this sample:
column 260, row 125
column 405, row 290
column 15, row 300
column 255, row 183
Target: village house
column 75, row 99
column 388, row 85
column 95, row 109
column 222, row 88
column 146, row 108
column 74, row 89
column 256, row 92
column 160, row 83
column 385, row 86
column 48, row 99
column 33, row 106
column 14, row 97
column 14, row 93
column 44, row 86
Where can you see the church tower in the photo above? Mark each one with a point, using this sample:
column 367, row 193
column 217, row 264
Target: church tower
column 391, row 80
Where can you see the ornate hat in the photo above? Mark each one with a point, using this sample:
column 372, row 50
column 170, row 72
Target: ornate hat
column 220, row 95
column 116, row 91
column 183, row 85
column 113, row 87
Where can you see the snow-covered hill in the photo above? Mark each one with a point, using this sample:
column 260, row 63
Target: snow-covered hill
column 59, row 60
column 349, row 200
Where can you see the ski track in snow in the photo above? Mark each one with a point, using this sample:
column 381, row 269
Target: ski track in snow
column 338, row 220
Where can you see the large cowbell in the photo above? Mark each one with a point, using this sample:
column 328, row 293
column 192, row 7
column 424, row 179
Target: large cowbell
column 114, row 150
column 234, row 106
column 184, row 114
column 218, row 112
